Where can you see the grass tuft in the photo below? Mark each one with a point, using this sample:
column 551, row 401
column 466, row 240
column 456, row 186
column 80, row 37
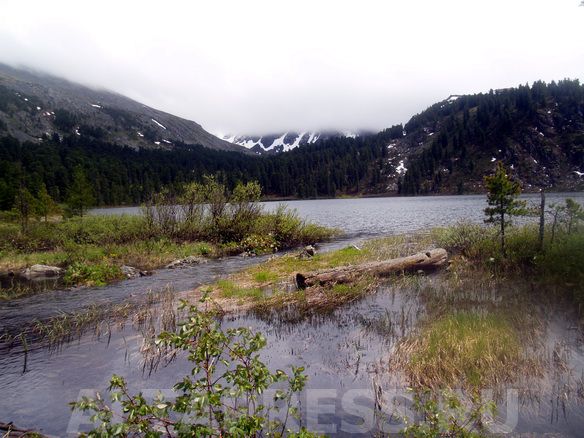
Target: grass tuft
column 465, row 349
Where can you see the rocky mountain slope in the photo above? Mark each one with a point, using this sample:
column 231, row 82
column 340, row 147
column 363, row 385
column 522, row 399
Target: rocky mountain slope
column 537, row 132
column 283, row 142
column 33, row 105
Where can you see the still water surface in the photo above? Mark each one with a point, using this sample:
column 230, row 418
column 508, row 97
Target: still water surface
column 345, row 352
column 374, row 216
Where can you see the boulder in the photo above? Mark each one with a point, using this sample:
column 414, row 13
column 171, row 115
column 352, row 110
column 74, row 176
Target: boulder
column 308, row 252
column 41, row 271
column 190, row 260
column 131, row 272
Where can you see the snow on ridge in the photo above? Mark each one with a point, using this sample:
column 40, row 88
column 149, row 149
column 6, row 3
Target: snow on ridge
column 159, row 124
column 281, row 142
column 401, row 169
column 295, row 144
column 277, row 142
column 95, row 105
column 312, row 138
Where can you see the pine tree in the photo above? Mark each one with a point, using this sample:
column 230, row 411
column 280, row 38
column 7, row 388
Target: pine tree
column 80, row 194
column 501, row 197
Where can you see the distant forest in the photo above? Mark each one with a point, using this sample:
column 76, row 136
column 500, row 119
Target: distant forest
column 465, row 130
column 121, row 175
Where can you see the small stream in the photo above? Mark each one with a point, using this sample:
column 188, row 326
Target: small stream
column 346, row 352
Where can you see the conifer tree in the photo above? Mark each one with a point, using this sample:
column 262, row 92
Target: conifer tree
column 80, row 194
column 45, row 204
column 501, row 197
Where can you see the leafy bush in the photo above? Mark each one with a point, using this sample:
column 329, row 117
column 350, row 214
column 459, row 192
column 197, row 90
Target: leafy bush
column 221, row 397
column 259, row 243
column 447, row 416
column 98, row 274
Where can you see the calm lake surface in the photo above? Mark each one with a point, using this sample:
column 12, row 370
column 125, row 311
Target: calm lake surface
column 375, row 216
column 345, row 351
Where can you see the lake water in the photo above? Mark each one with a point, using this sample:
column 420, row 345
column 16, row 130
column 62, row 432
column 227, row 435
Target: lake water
column 345, row 351
column 375, row 216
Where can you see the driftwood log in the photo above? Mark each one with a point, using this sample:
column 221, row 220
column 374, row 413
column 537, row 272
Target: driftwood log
column 9, row 430
column 424, row 261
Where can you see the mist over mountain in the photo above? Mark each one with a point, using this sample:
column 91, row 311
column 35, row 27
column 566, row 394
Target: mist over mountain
column 33, row 105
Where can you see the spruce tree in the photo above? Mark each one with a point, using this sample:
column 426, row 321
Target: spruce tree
column 501, row 197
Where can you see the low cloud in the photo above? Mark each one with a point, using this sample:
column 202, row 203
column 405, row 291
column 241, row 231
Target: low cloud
column 264, row 66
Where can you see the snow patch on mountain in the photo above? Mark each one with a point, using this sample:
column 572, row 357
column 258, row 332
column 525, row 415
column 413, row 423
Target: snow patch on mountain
column 401, row 169
column 159, row 124
column 282, row 142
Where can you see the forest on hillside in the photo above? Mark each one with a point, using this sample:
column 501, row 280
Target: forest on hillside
column 446, row 146
column 537, row 131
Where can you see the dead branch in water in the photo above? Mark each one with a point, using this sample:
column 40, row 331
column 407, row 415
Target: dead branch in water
column 9, row 430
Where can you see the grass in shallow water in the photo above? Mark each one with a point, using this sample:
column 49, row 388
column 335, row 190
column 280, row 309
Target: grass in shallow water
column 228, row 289
column 467, row 349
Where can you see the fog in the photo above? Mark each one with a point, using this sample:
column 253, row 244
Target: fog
column 252, row 67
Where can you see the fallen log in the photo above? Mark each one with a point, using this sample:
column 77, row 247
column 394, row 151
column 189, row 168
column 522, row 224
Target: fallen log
column 424, row 261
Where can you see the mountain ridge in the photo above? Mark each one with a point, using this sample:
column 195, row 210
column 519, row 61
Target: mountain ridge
column 37, row 104
column 285, row 141
column 536, row 131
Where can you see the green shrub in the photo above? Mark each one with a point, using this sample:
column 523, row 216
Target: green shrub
column 231, row 406
column 447, row 416
column 79, row 273
column 259, row 243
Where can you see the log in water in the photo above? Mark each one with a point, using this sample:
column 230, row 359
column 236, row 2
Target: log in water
column 424, row 261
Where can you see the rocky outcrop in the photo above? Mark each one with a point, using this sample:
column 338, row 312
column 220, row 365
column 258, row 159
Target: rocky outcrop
column 41, row 271
column 38, row 103
column 187, row 261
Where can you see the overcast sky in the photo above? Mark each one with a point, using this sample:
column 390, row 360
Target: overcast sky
column 248, row 66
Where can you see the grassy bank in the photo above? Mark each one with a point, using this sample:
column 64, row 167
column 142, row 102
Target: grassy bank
column 270, row 285
column 93, row 249
column 486, row 318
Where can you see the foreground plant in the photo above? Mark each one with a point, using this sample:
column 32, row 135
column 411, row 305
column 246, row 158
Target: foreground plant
column 447, row 416
column 222, row 396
